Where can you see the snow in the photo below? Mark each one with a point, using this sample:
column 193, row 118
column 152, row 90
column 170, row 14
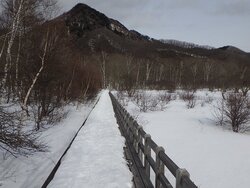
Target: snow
column 214, row 156
column 32, row 171
column 96, row 157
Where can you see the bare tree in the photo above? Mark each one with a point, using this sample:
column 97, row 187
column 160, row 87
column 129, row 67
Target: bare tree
column 149, row 66
column 14, row 139
column 19, row 17
column 13, row 33
column 43, row 59
column 70, row 82
column 18, row 56
column 243, row 72
column 194, row 70
column 244, row 90
column 233, row 109
column 129, row 64
column 180, row 73
column 164, row 98
column 207, row 70
column 146, row 101
column 139, row 62
column 189, row 97
column 219, row 109
column 161, row 70
column 3, row 46
column 103, row 61
column 237, row 110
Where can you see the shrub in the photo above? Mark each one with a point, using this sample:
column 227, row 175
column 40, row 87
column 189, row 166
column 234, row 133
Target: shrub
column 14, row 139
column 189, row 97
column 234, row 110
column 145, row 101
column 120, row 95
column 164, row 99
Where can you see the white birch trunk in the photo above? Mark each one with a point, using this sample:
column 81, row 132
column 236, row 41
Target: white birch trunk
column 137, row 75
column 24, row 105
column 87, row 88
column 194, row 69
column 129, row 60
column 207, row 71
column 14, row 29
column 161, row 72
column 2, row 50
column 180, row 73
column 71, row 81
column 148, row 70
column 18, row 57
column 103, row 67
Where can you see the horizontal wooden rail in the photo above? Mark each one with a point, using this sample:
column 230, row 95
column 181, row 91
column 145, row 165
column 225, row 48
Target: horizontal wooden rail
column 143, row 145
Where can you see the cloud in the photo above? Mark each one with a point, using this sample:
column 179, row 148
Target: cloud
column 233, row 8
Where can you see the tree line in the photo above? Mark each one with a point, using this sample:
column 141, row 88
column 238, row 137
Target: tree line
column 128, row 71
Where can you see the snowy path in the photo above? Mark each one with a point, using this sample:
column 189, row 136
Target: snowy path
column 32, row 171
column 96, row 157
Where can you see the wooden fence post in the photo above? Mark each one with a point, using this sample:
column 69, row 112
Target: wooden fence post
column 127, row 125
column 180, row 174
column 147, row 155
column 136, row 139
column 130, row 123
column 140, row 141
column 159, row 167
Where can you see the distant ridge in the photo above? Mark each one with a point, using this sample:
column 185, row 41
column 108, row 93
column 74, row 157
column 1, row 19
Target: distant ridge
column 184, row 44
column 232, row 49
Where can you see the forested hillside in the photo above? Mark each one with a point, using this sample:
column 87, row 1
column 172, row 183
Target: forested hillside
column 147, row 62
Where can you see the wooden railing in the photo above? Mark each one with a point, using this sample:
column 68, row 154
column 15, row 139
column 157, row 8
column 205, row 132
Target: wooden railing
column 143, row 146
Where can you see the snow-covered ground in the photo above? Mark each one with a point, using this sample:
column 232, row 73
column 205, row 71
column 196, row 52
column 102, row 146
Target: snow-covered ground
column 96, row 157
column 32, row 171
column 215, row 156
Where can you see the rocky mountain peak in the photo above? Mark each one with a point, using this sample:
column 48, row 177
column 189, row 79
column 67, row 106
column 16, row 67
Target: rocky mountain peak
column 83, row 18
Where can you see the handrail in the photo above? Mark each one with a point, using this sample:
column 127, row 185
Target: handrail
column 144, row 145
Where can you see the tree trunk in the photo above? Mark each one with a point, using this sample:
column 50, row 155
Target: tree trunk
column 137, row 75
column 24, row 105
column 14, row 29
column 103, row 67
column 2, row 50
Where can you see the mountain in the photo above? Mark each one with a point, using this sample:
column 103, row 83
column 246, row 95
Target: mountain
column 91, row 33
column 94, row 31
column 83, row 18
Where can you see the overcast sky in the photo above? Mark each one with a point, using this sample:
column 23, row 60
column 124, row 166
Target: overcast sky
column 207, row 22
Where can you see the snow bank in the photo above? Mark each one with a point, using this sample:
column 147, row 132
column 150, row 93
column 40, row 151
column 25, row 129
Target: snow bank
column 96, row 157
column 215, row 157
column 32, row 171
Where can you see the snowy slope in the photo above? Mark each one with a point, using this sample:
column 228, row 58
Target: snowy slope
column 96, row 157
column 32, row 171
column 215, row 156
